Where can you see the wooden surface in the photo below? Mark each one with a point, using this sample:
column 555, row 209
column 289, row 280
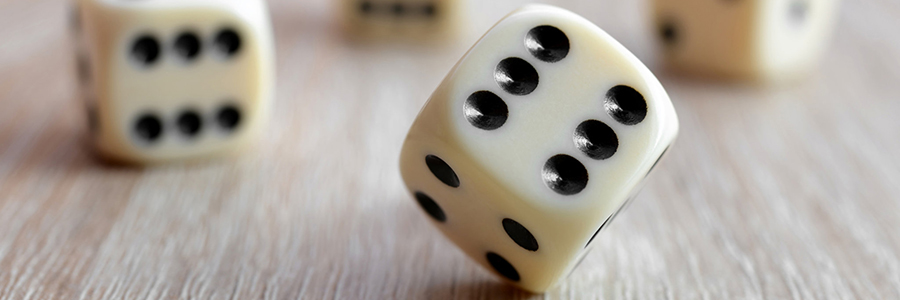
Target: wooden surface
column 769, row 193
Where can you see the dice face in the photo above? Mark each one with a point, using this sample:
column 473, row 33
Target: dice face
column 533, row 141
column 172, row 80
column 403, row 19
column 765, row 39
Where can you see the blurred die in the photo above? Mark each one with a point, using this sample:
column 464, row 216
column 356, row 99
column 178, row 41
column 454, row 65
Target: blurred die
column 168, row 80
column 411, row 20
column 770, row 40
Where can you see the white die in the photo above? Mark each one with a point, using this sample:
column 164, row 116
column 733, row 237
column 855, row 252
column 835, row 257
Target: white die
column 771, row 40
column 418, row 20
column 169, row 80
column 541, row 132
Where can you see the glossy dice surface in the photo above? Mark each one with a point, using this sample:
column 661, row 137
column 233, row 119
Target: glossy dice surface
column 541, row 132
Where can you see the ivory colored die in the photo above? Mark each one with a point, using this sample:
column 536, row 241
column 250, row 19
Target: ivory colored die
column 403, row 19
column 536, row 138
column 171, row 80
column 770, row 40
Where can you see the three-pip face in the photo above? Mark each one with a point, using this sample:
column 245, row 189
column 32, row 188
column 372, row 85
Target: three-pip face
column 175, row 80
column 533, row 142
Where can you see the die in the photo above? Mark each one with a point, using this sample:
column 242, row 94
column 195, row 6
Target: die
column 419, row 20
column 169, row 80
column 765, row 40
column 535, row 139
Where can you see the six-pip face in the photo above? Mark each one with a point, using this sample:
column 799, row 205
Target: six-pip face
column 180, row 82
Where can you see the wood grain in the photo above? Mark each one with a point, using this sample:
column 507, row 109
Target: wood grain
column 786, row 192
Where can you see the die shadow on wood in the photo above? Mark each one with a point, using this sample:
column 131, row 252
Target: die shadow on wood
column 62, row 144
column 475, row 289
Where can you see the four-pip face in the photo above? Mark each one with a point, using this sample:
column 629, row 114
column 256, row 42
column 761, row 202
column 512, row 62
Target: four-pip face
column 533, row 141
column 176, row 79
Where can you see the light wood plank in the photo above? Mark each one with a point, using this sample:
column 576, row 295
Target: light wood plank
column 770, row 192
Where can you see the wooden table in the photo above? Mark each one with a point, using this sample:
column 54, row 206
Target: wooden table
column 769, row 193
